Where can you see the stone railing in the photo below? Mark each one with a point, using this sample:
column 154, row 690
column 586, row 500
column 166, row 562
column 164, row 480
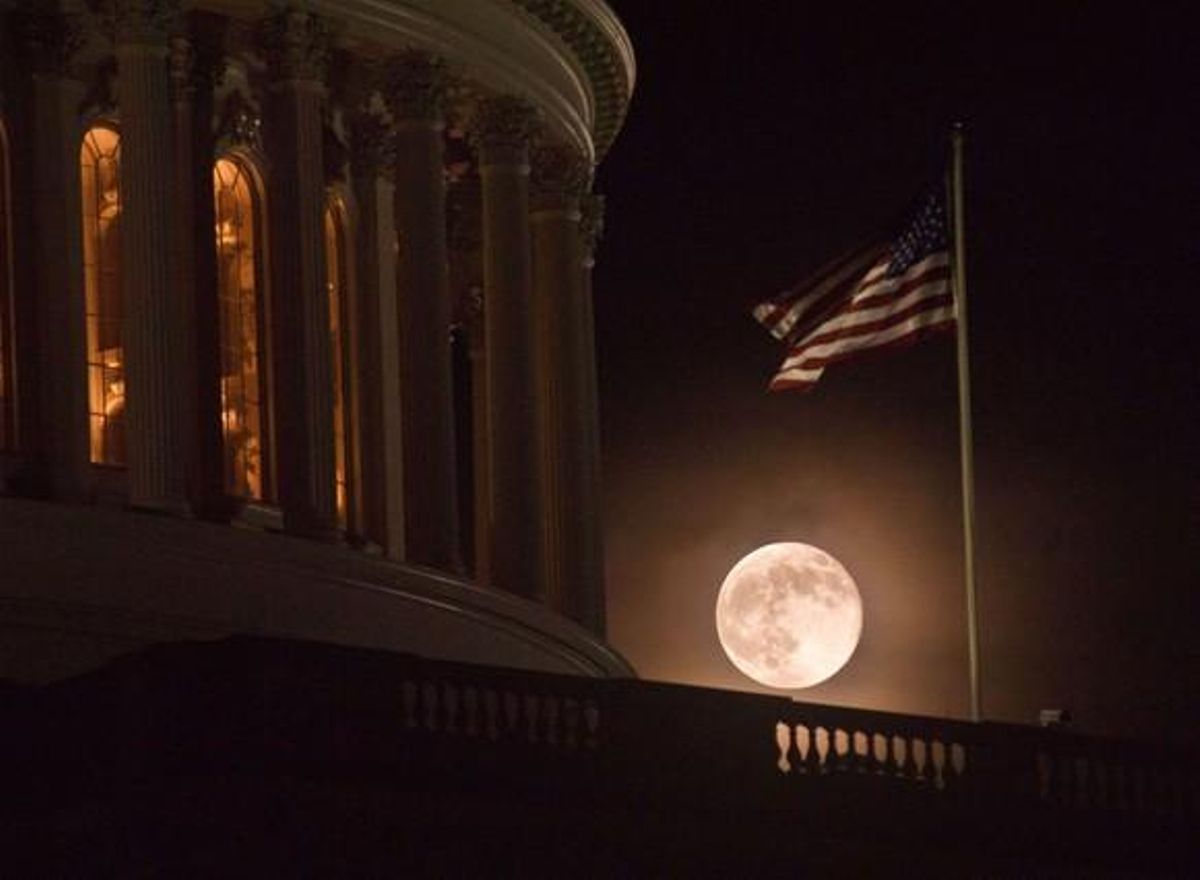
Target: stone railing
column 988, row 762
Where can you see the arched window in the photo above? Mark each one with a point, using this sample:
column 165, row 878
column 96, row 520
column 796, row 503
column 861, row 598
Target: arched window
column 6, row 332
column 335, row 283
column 100, row 166
column 243, row 331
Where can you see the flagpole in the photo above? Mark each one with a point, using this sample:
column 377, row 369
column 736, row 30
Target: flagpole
column 966, row 443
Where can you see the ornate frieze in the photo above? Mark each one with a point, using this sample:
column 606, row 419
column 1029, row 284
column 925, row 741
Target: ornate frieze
column 561, row 175
column 415, row 85
column 295, row 44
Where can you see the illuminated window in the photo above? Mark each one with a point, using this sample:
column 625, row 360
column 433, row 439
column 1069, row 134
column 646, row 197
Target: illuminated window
column 6, row 393
column 100, row 165
column 335, row 283
column 243, row 378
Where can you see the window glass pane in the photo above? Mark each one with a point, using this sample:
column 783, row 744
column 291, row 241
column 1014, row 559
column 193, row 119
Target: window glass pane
column 335, row 284
column 100, row 164
column 242, row 380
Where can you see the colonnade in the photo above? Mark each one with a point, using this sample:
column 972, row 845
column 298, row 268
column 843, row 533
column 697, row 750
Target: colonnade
column 537, row 453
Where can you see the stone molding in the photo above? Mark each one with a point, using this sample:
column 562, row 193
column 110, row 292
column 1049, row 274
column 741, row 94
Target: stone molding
column 296, row 45
column 415, row 86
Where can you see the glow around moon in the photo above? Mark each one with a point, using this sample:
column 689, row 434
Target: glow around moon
column 789, row 615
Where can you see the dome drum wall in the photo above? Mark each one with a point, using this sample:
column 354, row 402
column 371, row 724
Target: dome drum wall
column 311, row 102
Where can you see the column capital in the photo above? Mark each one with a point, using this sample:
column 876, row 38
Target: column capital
column 560, row 177
column 296, row 45
column 591, row 225
column 50, row 40
column 415, row 85
column 137, row 22
column 193, row 63
column 372, row 149
column 503, row 128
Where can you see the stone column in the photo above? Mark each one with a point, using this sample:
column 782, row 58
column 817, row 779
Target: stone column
column 295, row 45
column 196, row 68
column 568, row 495
column 153, row 314
column 369, row 153
column 503, row 128
column 415, row 90
column 56, row 306
column 591, row 228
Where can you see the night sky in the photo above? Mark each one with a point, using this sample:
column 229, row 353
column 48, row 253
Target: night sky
column 765, row 138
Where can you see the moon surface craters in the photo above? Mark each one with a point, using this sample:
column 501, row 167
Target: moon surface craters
column 789, row 615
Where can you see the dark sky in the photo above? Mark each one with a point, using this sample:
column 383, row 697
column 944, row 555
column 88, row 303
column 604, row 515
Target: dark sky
column 765, row 138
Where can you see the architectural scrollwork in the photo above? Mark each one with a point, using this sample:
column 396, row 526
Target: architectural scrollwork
column 561, row 173
column 415, row 85
column 505, row 121
column 296, row 45
column 240, row 124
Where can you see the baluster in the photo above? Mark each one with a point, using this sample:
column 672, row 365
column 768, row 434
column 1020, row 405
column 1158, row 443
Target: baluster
column 824, row 742
column 489, row 706
column 591, row 722
column 531, row 705
column 408, row 702
column 552, row 720
column 841, row 750
column 920, row 755
column 512, row 710
column 900, row 756
column 859, row 751
column 881, row 751
column 957, row 762
column 429, row 703
column 571, row 723
column 783, row 745
column 471, row 711
column 450, row 707
column 806, row 748
column 937, row 761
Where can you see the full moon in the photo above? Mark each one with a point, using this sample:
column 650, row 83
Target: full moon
column 789, row 615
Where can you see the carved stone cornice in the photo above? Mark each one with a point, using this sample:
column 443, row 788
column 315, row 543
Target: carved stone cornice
column 371, row 146
column 561, row 175
column 504, row 122
column 591, row 224
column 415, row 85
column 295, row 44
column 240, row 124
column 49, row 40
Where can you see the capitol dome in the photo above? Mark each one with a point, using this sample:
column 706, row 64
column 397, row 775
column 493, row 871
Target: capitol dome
column 296, row 331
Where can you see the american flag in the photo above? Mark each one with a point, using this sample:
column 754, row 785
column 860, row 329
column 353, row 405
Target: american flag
column 888, row 294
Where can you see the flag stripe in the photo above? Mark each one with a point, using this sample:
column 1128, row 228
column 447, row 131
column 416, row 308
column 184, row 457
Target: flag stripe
column 884, row 296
